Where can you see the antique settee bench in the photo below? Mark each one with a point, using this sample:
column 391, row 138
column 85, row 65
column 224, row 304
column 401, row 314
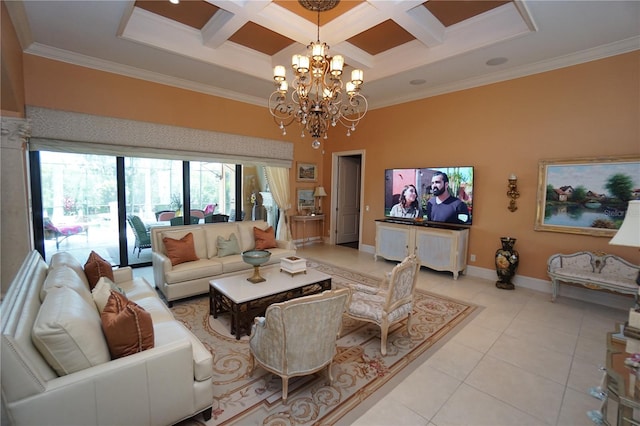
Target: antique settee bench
column 594, row 271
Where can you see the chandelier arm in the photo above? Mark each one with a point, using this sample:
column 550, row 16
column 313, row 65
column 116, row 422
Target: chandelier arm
column 319, row 98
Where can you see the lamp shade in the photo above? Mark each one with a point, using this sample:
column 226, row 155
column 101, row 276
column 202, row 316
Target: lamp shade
column 319, row 192
column 629, row 232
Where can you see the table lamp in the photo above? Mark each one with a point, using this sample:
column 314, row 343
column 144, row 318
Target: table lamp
column 629, row 235
column 629, row 232
column 319, row 193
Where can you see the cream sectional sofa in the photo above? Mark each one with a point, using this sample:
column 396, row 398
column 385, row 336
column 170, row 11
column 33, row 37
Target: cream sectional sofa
column 192, row 278
column 159, row 386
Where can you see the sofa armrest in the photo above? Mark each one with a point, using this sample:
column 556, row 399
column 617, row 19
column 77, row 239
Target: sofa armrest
column 151, row 387
column 122, row 274
column 161, row 265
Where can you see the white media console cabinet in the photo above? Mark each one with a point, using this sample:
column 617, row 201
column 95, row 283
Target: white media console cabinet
column 442, row 249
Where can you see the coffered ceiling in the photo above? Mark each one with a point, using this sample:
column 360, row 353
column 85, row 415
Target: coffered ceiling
column 408, row 49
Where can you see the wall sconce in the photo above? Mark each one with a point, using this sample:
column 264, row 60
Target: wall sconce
column 513, row 192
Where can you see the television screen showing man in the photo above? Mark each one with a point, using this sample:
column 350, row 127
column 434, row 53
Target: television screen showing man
column 442, row 206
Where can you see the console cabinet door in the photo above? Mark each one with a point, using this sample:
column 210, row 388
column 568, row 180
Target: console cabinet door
column 442, row 250
column 393, row 242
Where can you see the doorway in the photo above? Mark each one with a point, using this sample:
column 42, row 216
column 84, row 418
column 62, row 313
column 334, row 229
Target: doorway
column 346, row 197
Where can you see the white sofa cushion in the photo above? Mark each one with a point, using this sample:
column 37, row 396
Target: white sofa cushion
column 64, row 276
column 102, row 291
column 64, row 258
column 199, row 242
column 68, row 332
column 247, row 238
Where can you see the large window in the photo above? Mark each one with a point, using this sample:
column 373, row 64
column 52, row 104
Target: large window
column 79, row 204
column 108, row 204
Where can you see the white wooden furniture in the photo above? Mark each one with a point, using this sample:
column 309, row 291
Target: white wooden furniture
column 310, row 218
column 594, row 271
column 441, row 249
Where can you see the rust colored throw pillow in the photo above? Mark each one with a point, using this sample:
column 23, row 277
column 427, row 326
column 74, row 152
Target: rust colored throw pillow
column 127, row 327
column 180, row 251
column 264, row 239
column 95, row 268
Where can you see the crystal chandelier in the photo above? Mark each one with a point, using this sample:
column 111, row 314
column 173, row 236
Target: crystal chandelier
column 318, row 97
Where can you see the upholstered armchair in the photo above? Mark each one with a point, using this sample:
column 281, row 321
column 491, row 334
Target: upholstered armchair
column 389, row 303
column 298, row 337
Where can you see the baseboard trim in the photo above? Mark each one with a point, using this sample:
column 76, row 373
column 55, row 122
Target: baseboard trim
column 612, row 300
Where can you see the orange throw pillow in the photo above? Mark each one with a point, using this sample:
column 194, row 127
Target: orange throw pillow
column 127, row 327
column 264, row 239
column 180, row 251
column 95, row 268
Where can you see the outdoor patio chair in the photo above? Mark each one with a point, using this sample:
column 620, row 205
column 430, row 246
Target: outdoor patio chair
column 389, row 303
column 298, row 337
column 179, row 220
column 143, row 239
column 197, row 213
column 62, row 232
column 210, row 208
column 215, row 218
column 166, row 215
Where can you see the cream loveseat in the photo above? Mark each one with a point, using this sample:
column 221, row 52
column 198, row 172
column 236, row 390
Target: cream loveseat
column 192, row 278
column 159, row 386
column 594, row 271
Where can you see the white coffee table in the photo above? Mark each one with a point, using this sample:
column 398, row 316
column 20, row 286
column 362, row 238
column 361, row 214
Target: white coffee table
column 245, row 300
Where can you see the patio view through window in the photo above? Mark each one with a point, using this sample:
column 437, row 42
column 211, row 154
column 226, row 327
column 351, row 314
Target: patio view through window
column 80, row 201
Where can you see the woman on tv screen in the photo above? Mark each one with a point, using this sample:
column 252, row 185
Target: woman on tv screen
column 408, row 206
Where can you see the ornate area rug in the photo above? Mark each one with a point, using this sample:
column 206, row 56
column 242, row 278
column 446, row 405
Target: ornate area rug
column 359, row 369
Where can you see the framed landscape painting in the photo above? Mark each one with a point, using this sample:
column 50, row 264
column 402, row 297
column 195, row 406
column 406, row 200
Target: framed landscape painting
column 305, row 199
column 586, row 196
column 306, row 172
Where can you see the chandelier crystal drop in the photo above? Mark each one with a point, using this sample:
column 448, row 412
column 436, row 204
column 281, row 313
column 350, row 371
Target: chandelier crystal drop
column 319, row 99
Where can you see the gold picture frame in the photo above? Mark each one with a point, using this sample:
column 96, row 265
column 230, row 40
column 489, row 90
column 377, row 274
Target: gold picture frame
column 306, row 200
column 587, row 196
column 306, row 172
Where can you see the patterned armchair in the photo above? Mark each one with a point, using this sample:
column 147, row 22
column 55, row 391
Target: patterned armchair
column 298, row 337
column 388, row 304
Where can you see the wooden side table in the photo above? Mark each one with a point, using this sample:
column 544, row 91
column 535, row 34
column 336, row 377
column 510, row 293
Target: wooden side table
column 310, row 218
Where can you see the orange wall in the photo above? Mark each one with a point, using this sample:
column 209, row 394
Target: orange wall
column 12, row 86
column 581, row 111
column 588, row 110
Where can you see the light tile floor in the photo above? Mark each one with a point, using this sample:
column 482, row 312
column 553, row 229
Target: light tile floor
column 522, row 360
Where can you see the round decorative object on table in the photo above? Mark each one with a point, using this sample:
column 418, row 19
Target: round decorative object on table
column 507, row 259
column 256, row 258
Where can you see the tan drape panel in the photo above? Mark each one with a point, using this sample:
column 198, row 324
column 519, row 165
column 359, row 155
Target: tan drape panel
column 278, row 178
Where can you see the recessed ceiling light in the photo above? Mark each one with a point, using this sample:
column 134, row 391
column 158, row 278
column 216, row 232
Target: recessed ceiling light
column 496, row 61
column 417, row 81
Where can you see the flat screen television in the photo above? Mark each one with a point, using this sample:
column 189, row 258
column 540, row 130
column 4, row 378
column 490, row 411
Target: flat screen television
column 424, row 195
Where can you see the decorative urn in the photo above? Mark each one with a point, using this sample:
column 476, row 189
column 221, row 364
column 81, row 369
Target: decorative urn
column 256, row 258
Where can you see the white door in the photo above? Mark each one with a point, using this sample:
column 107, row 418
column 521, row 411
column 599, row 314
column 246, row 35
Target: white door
column 348, row 205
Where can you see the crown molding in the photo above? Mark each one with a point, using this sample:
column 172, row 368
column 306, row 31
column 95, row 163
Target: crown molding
column 129, row 71
column 601, row 52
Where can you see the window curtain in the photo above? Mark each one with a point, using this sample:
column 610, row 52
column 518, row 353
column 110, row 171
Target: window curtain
column 278, row 178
